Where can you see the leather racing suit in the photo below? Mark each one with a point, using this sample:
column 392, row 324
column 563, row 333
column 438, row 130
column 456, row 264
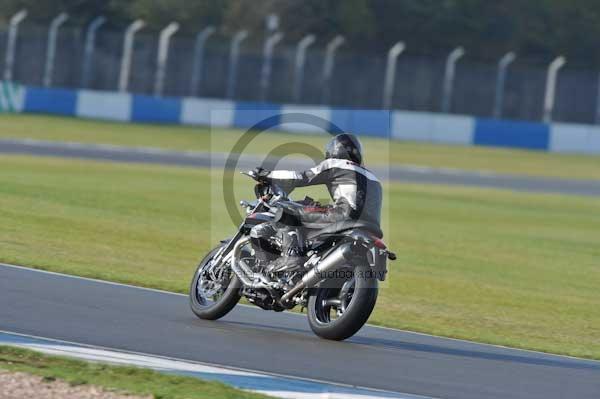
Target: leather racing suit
column 356, row 192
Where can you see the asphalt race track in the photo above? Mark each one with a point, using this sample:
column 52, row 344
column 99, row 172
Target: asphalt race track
column 158, row 323
column 404, row 173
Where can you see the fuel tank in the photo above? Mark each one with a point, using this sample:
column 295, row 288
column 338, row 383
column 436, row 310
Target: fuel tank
column 258, row 218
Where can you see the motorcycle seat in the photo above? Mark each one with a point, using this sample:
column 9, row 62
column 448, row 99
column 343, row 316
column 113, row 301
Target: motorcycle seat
column 334, row 228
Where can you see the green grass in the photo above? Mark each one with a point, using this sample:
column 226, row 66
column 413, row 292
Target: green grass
column 130, row 380
column 494, row 266
column 377, row 151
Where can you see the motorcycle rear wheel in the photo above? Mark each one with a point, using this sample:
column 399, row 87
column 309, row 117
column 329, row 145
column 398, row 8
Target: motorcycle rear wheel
column 338, row 309
column 218, row 305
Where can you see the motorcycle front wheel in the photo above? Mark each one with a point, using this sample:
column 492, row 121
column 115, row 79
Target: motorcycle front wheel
column 337, row 309
column 212, row 298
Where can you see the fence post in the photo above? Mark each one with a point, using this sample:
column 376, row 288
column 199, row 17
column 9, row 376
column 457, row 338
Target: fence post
column 197, row 67
column 550, row 95
column 127, row 53
column 503, row 64
column 330, row 51
column 265, row 72
column 449, row 75
column 51, row 47
column 163, row 57
column 13, row 31
column 299, row 65
column 88, row 52
column 390, row 73
column 234, row 53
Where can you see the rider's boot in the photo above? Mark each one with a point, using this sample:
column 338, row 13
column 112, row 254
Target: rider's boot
column 293, row 251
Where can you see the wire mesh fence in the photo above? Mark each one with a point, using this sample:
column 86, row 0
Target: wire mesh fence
column 357, row 79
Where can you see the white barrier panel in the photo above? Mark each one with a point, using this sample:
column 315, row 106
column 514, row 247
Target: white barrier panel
column 568, row 137
column 593, row 146
column 431, row 127
column 452, row 129
column 207, row 112
column 103, row 105
column 320, row 124
column 413, row 126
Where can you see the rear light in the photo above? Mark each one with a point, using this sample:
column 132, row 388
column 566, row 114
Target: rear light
column 379, row 243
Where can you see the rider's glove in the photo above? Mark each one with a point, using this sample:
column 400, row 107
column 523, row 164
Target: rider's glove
column 261, row 173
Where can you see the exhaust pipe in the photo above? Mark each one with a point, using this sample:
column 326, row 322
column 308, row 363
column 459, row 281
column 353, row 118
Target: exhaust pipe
column 339, row 257
column 241, row 269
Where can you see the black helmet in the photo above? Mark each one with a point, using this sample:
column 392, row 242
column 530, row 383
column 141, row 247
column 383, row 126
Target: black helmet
column 345, row 146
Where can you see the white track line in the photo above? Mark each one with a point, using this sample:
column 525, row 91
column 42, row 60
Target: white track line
column 300, row 314
column 268, row 384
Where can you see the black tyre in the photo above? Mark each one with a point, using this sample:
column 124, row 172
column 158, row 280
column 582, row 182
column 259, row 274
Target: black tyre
column 338, row 309
column 226, row 291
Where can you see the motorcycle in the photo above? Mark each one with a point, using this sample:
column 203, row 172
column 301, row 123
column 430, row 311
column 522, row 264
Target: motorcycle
column 337, row 284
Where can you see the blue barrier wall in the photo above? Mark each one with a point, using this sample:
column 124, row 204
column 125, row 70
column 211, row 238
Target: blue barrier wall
column 51, row 101
column 154, row 109
column 499, row 133
column 400, row 125
column 258, row 115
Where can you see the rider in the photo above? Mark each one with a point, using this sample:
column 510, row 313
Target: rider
column 356, row 193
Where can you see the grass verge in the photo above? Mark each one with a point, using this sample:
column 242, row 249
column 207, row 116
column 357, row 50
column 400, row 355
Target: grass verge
column 130, row 380
column 378, row 151
column 493, row 266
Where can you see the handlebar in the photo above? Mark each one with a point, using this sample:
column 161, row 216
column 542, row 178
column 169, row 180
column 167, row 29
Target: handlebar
column 276, row 193
column 250, row 173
